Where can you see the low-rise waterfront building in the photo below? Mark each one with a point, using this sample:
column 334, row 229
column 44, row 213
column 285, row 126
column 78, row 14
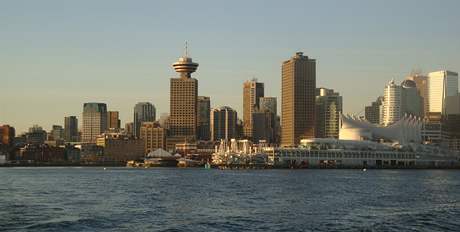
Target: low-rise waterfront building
column 153, row 135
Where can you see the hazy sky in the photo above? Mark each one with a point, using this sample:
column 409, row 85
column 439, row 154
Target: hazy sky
column 56, row 55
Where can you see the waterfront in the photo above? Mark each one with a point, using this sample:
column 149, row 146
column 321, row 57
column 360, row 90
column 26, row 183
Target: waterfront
column 171, row 199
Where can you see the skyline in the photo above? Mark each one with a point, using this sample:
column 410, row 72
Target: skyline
column 126, row 52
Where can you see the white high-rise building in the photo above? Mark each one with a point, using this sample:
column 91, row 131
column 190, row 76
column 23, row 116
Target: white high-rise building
column 400, row 101
column 391, row 103
column 441, row 85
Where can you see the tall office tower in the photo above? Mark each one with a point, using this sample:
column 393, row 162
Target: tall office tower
column 57, row 133
column 268, row 104
column 204, row 110
column 113, row 120
column 328, row 111
column 7, row 134
column 373, row 112
column 252, row 92
column 71, row 129
column 421, row 82
column 223, row 123
column 153, row 135
column 411, row 101
column 143, row 112
column 391, row 103
column 94, row 121
column 441, row 85
column 298, row 99
column 183, row 101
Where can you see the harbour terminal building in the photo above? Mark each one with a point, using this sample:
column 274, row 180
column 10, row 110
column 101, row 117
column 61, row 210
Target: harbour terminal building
column 360, row 145
column 365, row 145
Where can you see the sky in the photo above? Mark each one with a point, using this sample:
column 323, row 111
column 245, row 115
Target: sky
column 57, row 55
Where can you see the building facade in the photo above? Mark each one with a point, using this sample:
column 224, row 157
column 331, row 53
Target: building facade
column 94, row 121
column 183, row 119
column 252, row 92
column 263, row 127
column 374, row 112
column 120, row 148
column 113, row 120
column 223, row 123
column 204, row 111
column 268, row 104
column 7, row 134
column 56, row 133
column 421, row 82
column 143, row 112
column 129, row 129
column 71, row 129
column 391, row 103
column 298, row 99
column 411, row 101
column 36, row 135
column 441, row 84
column 328, row 111
column 153, row 135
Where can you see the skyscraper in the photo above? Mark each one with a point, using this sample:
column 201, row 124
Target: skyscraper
column 113, row 120
column 252, row 92
column 374, row 112
column 204, row 110
column 328, row 111
column 94, row 121
column 401, row 100
column 223, row 123
column 411, row 101
column 183, row 101
column 298, row 99
column 143, row 112
column 441, row 85
column 71, row 129
column 421, row 82
column 392, row 103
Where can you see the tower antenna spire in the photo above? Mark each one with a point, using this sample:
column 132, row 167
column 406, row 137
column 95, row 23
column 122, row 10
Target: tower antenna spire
column 186, row 49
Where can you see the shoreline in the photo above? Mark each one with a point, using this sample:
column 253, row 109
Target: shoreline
column 112, row 165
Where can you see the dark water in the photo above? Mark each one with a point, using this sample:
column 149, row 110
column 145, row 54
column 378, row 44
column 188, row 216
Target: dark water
column 122, row 199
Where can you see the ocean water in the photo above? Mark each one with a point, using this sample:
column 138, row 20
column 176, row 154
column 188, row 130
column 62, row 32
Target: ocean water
column 169, row 199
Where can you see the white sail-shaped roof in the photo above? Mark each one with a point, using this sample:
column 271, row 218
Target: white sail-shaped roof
column 159, row 153
column 404, row 131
